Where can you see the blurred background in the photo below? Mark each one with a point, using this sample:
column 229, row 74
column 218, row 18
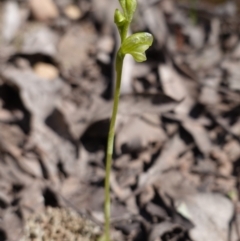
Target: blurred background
column 175, row 174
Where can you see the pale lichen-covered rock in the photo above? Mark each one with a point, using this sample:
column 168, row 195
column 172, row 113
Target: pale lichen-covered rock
column 60, row 224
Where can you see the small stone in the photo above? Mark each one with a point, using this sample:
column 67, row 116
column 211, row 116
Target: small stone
column 73, row 12
column 103, row 57
column 43, row 10
column 46, row 71
column 106, row 44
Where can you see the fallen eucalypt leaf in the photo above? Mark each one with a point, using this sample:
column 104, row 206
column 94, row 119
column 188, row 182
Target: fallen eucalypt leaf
column 136, row 45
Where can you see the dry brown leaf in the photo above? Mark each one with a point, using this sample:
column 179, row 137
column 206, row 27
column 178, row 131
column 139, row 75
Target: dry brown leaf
column 31, row 199
column 206, row 60
column 235, row 128
column 199, row 135
column 225, row 167
column 11, row 139
column 131, row 139
column 7, row 116
column 13, row 174
column 168, row 6
column 232, row 150
column 232, row 69
column 146, row 103
column 179, row 61
column 155, row 21
column 172, row 83
column 146, row 196
column 236, row 52
column 210, row 213
column 177, row 186
column 54, row 150
column 118, row 190
column 70, row 186
column 80, row 118
column 209, row 92
column 215, row 31
column 160, row 229
column 12, row 225
column 226, row 186
column 156, row 210
column 38, row 96
column 196, row 35
column 166, row 160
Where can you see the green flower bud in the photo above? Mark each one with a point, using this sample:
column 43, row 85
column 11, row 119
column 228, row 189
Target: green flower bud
column 119, row 18
column 136, row 45
column 123, row 5
column 130, row 8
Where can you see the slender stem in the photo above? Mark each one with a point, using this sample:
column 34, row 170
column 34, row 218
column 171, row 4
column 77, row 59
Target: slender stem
column 124, row 32
column 193, row 12
column 119, row 65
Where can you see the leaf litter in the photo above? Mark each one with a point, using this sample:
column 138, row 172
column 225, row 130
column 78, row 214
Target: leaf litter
column 177, row 153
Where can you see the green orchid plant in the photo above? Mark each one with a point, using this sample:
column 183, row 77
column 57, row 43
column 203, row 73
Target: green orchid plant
column 136, row 45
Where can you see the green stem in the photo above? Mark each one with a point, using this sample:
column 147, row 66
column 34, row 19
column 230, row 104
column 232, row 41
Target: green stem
column 119, row 65
column 193, row 12
column 124, row 32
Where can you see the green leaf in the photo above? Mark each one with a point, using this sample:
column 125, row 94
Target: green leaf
column 136, row 45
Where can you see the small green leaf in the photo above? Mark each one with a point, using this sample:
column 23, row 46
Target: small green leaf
column 136, row 45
